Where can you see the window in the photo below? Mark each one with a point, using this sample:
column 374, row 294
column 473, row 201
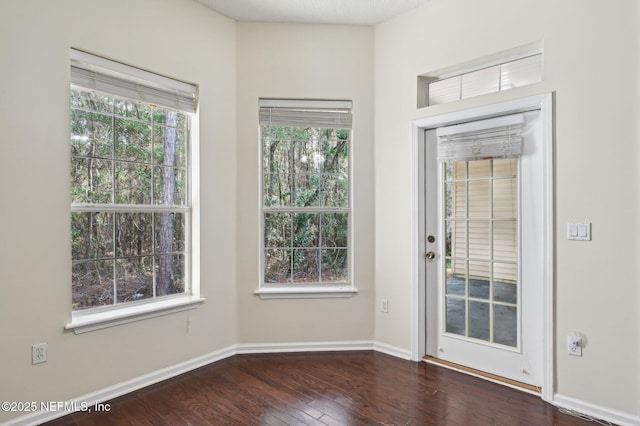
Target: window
column 488, row 76
column 130, row 185
column 305, row 195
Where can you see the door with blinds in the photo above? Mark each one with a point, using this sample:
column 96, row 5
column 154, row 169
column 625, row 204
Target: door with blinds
column 481, row 256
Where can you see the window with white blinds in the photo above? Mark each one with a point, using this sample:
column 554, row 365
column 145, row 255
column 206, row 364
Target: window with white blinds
column 131, row 177
column 305, row 213
column 491, row 77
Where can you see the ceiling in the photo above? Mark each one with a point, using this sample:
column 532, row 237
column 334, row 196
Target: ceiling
column 351, row 12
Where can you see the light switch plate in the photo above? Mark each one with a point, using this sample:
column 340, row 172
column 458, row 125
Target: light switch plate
column 579, row 231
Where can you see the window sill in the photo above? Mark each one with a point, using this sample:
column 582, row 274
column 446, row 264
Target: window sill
column 83, row 322
column 304, row 292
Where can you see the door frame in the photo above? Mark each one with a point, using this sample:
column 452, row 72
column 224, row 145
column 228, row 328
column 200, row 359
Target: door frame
column 544, row 104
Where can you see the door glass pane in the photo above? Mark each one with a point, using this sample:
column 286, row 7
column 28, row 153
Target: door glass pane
column 479, row 323
column 456, row 199
column 505, row 200
column 481, row 250
column 456, row 316
column 505, row 325
column 480, row 239
column 480, row 199
column 505, row 167
column 479, row 169
column 505, row 292
column 505, row 241
column 479, row 288
column 457, row 284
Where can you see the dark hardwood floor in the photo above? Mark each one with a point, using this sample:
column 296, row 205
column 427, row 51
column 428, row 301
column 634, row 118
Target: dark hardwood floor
column 320, row 388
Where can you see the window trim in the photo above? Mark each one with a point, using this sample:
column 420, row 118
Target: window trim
column 99, row 317
column 300, row 290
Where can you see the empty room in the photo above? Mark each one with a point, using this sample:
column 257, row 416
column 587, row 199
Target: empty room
column 320, row 212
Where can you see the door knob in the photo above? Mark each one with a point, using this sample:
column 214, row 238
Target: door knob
column 430, row 255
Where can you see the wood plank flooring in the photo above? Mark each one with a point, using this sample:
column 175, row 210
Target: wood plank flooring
column 324, row 388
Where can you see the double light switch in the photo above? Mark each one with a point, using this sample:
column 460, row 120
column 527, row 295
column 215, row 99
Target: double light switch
column 579, row 231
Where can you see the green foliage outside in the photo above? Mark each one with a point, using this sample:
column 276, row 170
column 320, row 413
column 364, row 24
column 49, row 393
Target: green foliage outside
column 120, row 156
column 306, row 203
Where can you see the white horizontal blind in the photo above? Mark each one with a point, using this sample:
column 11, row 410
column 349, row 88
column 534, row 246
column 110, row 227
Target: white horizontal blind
column 102, row 75
column 320, row 114
column 493, row 138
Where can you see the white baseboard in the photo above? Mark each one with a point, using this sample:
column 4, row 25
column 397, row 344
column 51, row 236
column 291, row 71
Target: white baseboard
column 392, row 350
column 111, row 392
column 602, row 413
column 265, row 348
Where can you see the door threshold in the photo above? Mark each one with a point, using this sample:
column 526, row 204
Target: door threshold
column 524, row 387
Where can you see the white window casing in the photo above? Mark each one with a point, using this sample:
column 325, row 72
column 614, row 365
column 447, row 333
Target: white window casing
column 113, row 80
column 317, row 118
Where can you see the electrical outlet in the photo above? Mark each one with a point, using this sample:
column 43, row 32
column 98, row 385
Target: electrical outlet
column 39, row 353
column 574, row 345
column 385, row 305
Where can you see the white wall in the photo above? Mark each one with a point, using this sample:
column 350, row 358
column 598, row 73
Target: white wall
column 178, row 38
column 313, row 62
column 591, row 65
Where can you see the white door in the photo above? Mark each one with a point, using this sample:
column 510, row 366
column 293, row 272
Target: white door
column 483, row 243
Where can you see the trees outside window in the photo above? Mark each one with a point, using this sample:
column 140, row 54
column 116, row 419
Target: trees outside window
column 305, row 199
column 130, row 206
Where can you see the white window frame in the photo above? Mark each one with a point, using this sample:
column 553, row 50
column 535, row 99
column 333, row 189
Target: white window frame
column 302, row 290
column 114, row 79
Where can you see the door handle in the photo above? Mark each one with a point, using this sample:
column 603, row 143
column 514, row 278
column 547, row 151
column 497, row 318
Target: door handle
column 431, row 255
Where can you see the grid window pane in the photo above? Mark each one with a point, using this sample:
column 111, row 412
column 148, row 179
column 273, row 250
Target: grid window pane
column 128, row 161
column 92, row 284
column 306, row 229
column 134, row 279
column 133, row 183
column 306, row 266
column 91, row 180
column 277, row 266
column 133, row 140
column 91, row 134
column 169, row 229
column 277, row 230
column 169, row 272
column 305, row 209
column 91, row 235
column 335, row 190
column 277, row 190
column 334, row 266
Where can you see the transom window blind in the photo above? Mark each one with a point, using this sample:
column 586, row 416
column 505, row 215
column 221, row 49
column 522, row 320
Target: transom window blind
column 492, row 138
column 304, row 113
column 102, row 75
